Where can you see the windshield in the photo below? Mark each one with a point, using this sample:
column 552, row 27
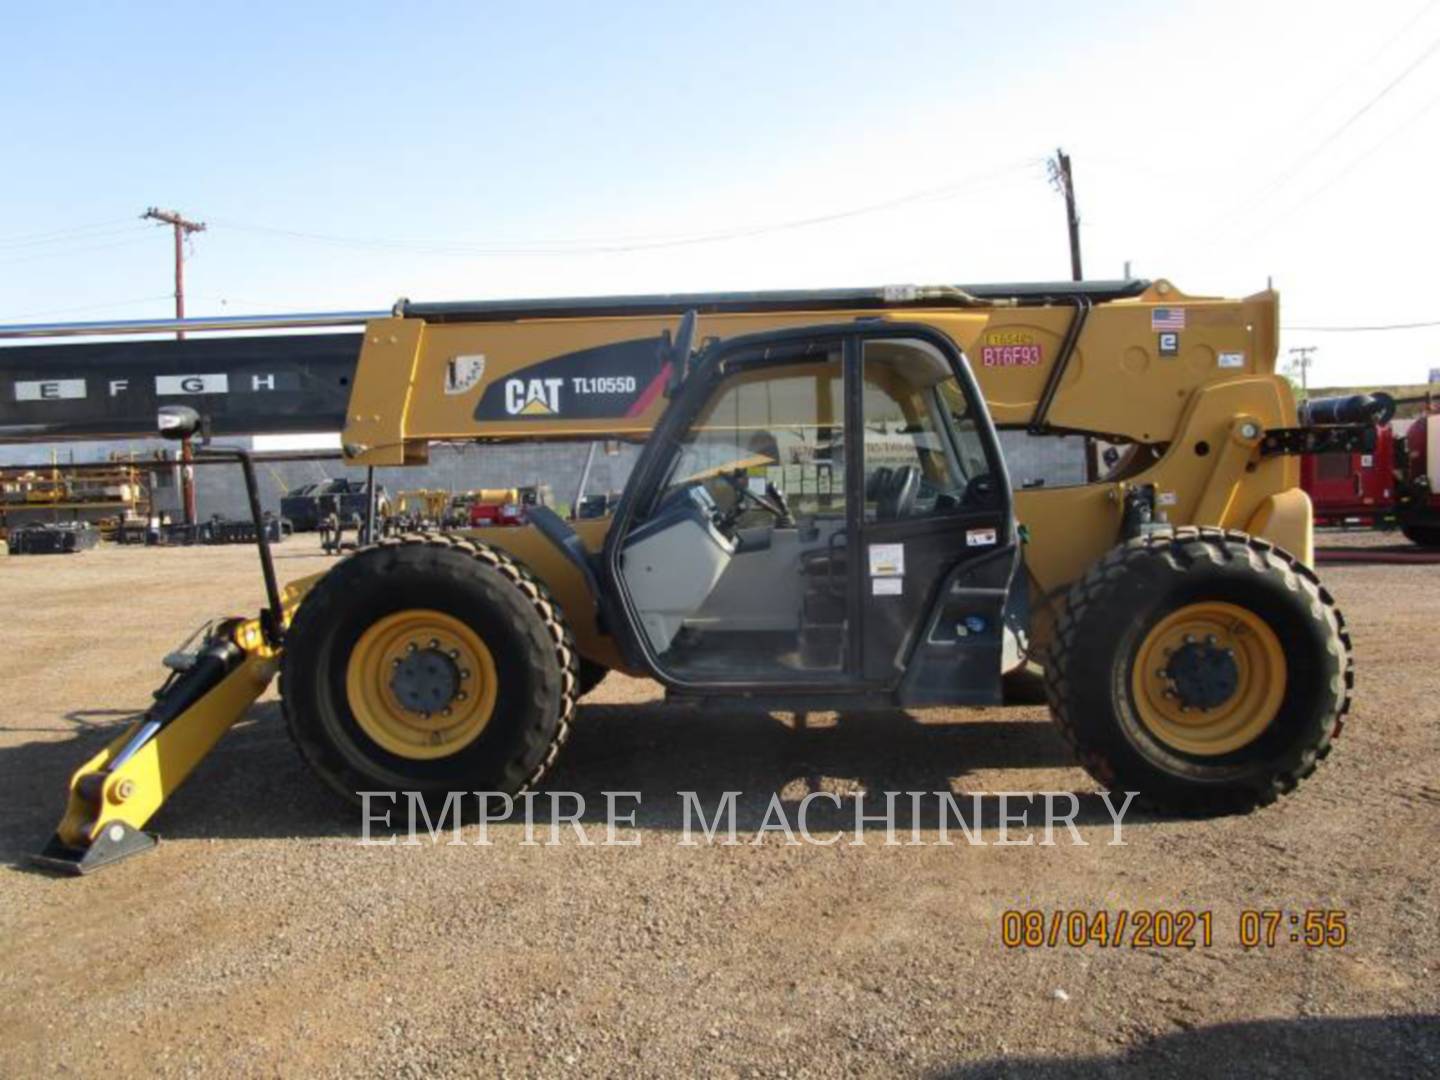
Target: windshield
column 779, row 425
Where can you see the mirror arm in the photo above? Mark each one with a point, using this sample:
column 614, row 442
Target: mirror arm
column 182, row 423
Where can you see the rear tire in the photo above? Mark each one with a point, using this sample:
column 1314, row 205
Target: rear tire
column 1277, row 626
column 481, row 596
column 1423, row 535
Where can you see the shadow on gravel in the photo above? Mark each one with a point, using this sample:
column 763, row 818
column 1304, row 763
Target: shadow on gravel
column 254, row 784
column 1369, row 1046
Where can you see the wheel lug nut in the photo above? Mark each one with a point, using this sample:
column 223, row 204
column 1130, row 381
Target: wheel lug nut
column 1163, row 673
column 412, row 647
column 454, row 654
column 464, row 673
column 447, row 711
column 434, row 643
column 462, row 696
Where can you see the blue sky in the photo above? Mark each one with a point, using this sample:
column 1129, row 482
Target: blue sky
column 347, row 154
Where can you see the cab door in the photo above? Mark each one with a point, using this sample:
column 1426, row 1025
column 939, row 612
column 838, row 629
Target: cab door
column 936, row 527
column 820, row 508
column 724, row 565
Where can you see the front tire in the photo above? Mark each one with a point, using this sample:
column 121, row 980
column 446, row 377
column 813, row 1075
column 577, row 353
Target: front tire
column 1206, row 669
column 429, row 664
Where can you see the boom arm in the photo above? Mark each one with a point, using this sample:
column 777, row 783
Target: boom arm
column 1128, row 373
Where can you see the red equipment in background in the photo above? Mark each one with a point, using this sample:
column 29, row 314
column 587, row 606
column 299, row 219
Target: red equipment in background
column 1353, row 489
column 497, row 513
column 504, row 506
column 1419, row 489
column 1397, row 483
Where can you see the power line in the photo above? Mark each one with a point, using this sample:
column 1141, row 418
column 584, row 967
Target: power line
column 550, row 248
column 1366, row 156
column 1359, row 329
column 72, row 238
column 54, row 235
column 1284, row 177
column 1414, row 65
column 1363, row 65
column 83, row 307
column 67, row 252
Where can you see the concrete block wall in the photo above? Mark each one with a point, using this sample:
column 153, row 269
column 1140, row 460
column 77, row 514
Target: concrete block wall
column 1060, row 461
column 451, row 468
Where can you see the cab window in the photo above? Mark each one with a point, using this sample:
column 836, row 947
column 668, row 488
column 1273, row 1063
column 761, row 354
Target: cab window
column 922, row 447
column 776, row 429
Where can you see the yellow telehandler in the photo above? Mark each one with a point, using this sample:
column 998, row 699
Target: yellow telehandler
column 820, row 517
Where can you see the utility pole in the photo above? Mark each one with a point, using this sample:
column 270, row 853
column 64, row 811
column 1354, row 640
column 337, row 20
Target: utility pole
column 1064, row 180
column 183, row 227
column 1301, row 362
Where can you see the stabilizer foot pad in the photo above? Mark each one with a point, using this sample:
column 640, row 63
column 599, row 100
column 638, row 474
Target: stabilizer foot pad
column 117, row 841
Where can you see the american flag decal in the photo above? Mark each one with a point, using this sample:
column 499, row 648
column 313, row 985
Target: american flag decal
column 1167, row 318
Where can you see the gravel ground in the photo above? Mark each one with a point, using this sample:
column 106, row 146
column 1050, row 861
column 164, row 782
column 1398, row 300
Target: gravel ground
column 262, row 939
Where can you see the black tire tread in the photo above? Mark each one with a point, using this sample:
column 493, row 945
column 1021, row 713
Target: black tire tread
column 1182, row 546
column 538, row 750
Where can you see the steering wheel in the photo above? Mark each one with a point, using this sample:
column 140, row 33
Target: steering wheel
column 773, row 502
column 896, row 499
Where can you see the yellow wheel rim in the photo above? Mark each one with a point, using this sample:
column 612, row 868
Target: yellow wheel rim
column 1203, row 720
column 421, row 684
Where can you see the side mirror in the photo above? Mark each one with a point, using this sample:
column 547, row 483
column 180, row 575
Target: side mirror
column 177, row 422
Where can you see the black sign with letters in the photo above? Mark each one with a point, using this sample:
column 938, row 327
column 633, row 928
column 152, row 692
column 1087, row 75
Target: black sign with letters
column 284, row 384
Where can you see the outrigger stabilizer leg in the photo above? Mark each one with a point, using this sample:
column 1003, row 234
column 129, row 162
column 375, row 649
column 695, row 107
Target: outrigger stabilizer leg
column 118, row 790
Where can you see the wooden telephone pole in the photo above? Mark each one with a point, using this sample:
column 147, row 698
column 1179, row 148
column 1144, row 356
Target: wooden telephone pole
column 183, row 227
column 1300, row 362
column 1064, row 181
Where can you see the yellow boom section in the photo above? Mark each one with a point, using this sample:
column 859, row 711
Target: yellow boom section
column 1128, row 376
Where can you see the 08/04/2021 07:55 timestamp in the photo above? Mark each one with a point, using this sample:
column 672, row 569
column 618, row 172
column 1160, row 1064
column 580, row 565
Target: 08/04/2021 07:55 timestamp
column 1180, row 928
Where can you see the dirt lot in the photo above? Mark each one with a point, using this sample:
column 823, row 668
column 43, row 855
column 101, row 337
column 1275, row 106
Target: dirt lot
column 262, row 939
